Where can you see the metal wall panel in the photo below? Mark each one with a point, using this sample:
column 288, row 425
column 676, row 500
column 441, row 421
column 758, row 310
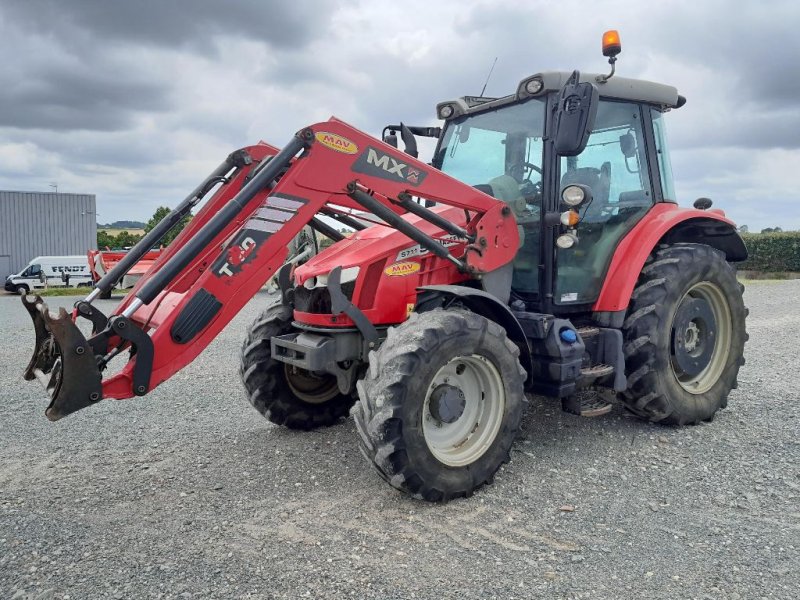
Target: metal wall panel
column 45, row 224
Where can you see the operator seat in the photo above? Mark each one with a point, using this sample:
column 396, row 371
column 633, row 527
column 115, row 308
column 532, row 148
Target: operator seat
column 525, row 264
column 506, row 189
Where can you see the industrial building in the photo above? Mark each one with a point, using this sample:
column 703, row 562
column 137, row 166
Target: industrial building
column 44, row 224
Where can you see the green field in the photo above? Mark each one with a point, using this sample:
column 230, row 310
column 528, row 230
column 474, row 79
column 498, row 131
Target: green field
column 114, row 231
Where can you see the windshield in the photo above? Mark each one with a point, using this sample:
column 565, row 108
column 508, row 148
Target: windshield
column 506, row 141
column 500, row 152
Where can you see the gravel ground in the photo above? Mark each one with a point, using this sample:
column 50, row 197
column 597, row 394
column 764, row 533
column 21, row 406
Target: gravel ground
column 188, row 492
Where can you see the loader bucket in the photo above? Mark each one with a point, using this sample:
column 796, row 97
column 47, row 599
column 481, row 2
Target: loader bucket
column 62, row 361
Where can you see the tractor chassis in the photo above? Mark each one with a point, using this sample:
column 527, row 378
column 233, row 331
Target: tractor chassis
column 557, row 367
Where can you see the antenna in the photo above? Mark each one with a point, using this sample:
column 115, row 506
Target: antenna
column 489, row 76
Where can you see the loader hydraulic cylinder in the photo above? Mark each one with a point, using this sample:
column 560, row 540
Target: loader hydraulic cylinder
column 406, row 202
column 403, row 226
column 158, row 232
column 188, row 252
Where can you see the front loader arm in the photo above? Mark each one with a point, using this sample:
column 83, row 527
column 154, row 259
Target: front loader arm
column 238, row 241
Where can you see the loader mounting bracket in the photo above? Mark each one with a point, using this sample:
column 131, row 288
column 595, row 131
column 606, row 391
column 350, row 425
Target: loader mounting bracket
column 285, row 285
column 340, row 304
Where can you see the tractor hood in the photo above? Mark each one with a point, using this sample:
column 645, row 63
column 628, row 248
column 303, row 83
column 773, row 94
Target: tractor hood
column 378, row 243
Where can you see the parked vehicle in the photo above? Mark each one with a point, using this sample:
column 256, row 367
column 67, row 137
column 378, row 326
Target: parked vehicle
column 50, row 271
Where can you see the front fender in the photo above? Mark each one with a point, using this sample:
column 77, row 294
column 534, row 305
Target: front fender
column 482, row 303
column 664, row 223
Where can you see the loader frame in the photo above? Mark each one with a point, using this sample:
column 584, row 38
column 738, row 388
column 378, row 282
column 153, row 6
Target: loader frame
column 237, row 241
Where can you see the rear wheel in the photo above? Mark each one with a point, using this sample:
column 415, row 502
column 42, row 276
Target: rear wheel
column 684, row 335
column 441, row 404
column 284, row 394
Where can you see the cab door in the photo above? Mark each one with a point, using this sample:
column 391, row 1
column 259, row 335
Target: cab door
column 615, row 166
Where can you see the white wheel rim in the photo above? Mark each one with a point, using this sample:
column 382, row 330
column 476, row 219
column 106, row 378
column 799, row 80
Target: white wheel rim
column 705, row 380
column 466, row 439
column 308, row 387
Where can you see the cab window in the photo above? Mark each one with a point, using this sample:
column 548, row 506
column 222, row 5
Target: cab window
column 32, row 271
column 662, row 151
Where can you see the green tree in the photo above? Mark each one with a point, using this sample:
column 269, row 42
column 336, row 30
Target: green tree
column 158, row 216
column 126, row 240
column 104, row 240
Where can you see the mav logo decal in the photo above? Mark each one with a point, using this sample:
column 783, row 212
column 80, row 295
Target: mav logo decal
column 402, row 269
column 336, row 142
column 376, row 163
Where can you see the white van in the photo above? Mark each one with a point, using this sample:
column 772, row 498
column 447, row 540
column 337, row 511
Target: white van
column 51, row 271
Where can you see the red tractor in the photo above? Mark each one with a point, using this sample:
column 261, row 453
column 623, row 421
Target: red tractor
column 541, row 251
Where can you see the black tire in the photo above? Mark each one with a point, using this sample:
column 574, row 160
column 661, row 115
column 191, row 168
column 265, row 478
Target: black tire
column 23, row 289
column 276, row 390
column 392, row 398
column 658, row 388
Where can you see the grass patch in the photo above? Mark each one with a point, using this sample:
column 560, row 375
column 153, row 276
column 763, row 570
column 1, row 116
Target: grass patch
column 63, row 291
column 71, row 291
column 752, row 282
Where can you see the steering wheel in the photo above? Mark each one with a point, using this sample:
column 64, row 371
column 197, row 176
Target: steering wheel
column 531, row 168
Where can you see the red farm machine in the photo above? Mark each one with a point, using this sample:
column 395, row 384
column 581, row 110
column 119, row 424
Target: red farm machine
column 541, row 251
column 103, row 261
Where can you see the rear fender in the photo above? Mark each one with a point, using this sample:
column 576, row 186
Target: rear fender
column 665, row 224
column 482, row 303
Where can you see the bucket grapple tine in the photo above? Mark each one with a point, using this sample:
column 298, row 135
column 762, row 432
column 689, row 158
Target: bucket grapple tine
column 43, row 355
column 62, row 361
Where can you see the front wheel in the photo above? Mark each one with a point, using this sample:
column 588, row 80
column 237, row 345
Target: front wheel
column 23, row 289
column 684, row 335
column 287, row 395
column 440, row 405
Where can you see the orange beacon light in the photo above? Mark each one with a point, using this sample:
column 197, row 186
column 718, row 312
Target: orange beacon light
column 611, row 44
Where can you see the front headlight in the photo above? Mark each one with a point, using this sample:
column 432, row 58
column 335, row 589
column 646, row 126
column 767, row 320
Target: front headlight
column 576, row 194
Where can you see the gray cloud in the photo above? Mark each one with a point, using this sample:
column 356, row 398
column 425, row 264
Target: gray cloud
column 81, row 99
column 136, row 101
column 177, row 22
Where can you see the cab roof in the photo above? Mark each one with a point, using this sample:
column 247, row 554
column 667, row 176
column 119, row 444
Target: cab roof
column 660, row 95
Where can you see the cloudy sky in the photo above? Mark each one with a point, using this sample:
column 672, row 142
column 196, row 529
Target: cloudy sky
column 136, row 101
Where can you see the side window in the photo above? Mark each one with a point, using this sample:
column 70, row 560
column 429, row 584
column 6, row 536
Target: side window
column 33, row 271
column 662, row 149
column 614, row 165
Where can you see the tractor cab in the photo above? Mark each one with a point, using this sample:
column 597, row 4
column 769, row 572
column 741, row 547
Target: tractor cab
column 509, row 148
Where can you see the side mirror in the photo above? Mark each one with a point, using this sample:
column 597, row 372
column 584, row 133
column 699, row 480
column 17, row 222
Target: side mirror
column 574, row 119
column 409, row 141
